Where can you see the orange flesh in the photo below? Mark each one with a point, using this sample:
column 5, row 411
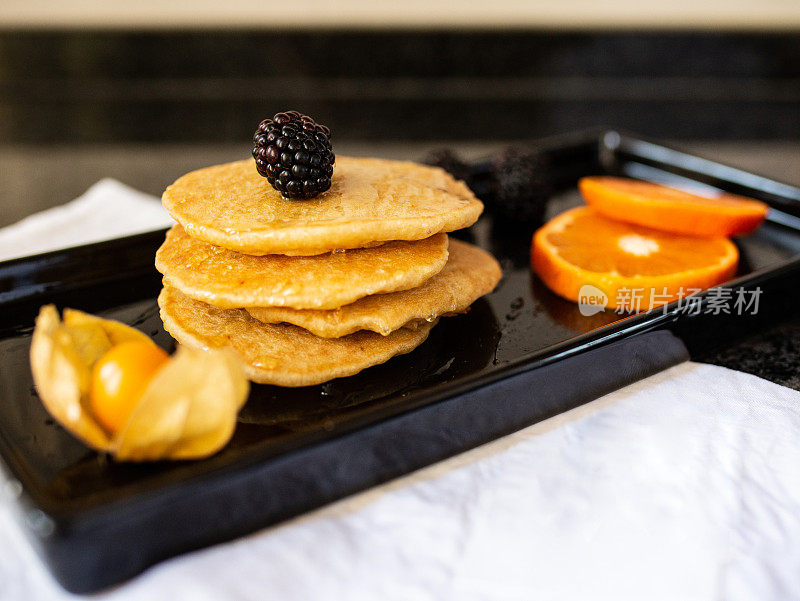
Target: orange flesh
column 118, row 380
column 582, row 247
column 592, row 242
column 672, row 210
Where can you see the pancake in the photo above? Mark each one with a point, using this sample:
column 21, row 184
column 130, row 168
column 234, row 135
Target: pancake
column 232, row 280
column 370, row 201
column 280, row 354
column 469, row 274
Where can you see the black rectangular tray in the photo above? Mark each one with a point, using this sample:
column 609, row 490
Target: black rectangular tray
column 519, row 356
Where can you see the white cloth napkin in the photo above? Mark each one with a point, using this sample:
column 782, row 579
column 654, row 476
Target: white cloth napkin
column 684, row 486
column 109, row 209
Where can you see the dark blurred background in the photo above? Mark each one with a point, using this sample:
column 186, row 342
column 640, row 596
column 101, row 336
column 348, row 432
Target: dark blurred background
column 146, row 103
column 95, row 87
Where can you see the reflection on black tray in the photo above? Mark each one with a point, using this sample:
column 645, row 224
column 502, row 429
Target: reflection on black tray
column 521, row 317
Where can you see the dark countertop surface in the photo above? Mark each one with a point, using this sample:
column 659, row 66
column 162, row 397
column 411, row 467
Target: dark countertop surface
column 772, row 354
column 31, row 181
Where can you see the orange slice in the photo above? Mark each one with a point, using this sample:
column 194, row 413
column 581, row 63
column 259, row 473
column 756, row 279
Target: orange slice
column 583, row 256
column 671, row 210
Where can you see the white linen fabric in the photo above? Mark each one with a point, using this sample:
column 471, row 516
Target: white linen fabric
column 109, row 209
column 685, row 486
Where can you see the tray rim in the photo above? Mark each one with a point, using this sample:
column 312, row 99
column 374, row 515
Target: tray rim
column 63, row 519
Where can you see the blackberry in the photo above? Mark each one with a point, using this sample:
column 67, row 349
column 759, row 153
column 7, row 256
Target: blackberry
column 521, row 185
column 295, row 154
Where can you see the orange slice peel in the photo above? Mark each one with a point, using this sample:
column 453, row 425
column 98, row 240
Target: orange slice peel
column 672, row 210
column 634, row 267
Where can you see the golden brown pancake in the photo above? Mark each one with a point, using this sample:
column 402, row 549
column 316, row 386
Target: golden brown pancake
column 469, row 274
column 280, row 354
column 370, row 201
column 232, row 280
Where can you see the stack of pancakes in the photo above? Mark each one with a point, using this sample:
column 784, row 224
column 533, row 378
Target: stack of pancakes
column 304, row 291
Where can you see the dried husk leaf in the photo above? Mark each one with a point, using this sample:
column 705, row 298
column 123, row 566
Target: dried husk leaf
column 94, row 335
column 62, row 378
column 211, row 421
column 188, row 409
